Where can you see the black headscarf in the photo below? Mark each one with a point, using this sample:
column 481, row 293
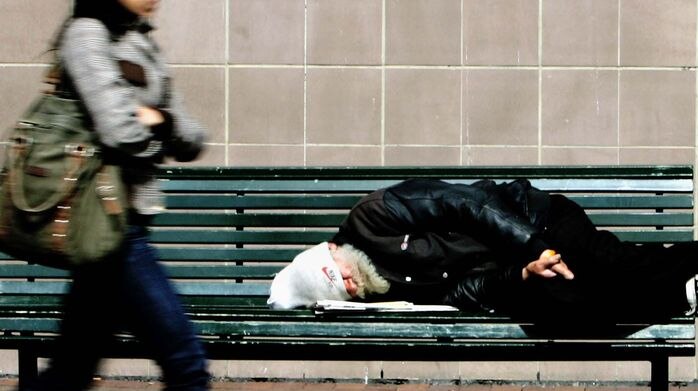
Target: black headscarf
column 112, row 13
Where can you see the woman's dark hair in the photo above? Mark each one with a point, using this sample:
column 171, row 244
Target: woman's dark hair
column 110, row 12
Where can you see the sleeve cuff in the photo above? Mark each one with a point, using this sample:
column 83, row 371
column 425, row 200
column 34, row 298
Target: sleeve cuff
column 163, row 130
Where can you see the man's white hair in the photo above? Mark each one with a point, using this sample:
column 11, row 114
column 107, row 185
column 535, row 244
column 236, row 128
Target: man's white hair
column 365, row 275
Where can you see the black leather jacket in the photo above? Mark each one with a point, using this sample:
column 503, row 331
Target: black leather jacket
column 436, row 241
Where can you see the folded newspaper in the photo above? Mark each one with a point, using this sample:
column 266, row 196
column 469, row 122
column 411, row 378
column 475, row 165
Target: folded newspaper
column 323, row 306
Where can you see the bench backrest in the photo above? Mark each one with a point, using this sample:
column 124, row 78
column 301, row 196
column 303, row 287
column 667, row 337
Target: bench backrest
column 227, row 231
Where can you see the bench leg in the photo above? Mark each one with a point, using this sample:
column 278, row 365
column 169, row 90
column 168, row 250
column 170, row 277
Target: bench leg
column 28, row 368
column 660, row 374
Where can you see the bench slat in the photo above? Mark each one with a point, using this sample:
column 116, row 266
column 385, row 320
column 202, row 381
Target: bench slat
column 598, row 201
column 249, row 220
column 183, row 288
column 655, row 236
column 668, row 172
column 311, row 185
column 377, row 330
column 642, row 219
column 313, row 237
column 310, row 201
column 219, row 236
column 229, row 254
column 418, row 330
column 333, row 220
column 174, row 271
column 232, row 201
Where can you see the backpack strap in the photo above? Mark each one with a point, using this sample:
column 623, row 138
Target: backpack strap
column 53, row 78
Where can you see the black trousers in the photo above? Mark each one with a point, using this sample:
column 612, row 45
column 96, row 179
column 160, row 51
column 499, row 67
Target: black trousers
column 612, row 278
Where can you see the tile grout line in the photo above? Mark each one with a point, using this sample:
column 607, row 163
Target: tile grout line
column 618, row 84
column 695, row 137
column 462, row 89
column 383, row 94
column 226, row 88
column 540, row 82
column 305, row 83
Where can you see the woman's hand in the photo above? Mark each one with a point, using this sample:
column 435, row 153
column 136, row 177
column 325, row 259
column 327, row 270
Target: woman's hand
column 548, row 265
column 149, row 116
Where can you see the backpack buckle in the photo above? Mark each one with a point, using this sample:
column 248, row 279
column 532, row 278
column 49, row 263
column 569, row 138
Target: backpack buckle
column 22, row 141
column 79, row 150
column 24, row 125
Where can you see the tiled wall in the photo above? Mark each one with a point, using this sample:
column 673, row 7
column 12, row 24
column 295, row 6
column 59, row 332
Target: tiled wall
column 413, row 82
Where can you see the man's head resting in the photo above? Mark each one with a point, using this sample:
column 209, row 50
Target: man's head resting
column 319, row 273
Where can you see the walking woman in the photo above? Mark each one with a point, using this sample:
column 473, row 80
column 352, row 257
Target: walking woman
column 110, row 63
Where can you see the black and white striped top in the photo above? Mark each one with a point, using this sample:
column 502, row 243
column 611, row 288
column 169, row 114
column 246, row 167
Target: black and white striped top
column 93, row 60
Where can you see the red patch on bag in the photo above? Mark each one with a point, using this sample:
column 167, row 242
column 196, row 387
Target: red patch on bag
column 37, row 171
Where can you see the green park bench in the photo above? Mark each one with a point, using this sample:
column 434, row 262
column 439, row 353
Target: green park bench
column 227, row 231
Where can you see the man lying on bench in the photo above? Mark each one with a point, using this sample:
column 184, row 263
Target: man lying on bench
column 507, row 248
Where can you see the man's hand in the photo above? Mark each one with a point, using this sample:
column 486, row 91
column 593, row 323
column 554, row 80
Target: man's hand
column 548, row 265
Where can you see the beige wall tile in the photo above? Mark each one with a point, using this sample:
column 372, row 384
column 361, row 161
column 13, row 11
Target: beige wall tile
column 29, row 27
column 344, row 106
column 578, row 371
column 635, row 371
column 213, row 155
column 657, row 156
column 422, row 107
column 265, row 369
column 267, row 31
column 341, row 370
column 192, row 32
column 500, row 107
column 266, row 105
column 579, row 156
column 343, row 156
column 682, row 368
column 500, row 32
column 8, row 362
column 265, row 155
column 421, row 370
column 203, row 93
column 304, row 370
column 42, row 363
column 500, row 156
column 658, row 33
column 19, row 86
column 580, row 107
column 125, row 367
column 218, row 368
column 345, row 32
column 657, row 108
column 499, row 371
column 580, row 32
column 423, row 32
column 422, row 156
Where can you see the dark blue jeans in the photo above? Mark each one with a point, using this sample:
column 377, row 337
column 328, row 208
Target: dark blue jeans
column 133, row 294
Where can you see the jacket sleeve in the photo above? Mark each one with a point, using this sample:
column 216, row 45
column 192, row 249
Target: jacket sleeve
column 476, row 210
column 507, row 226
column 108, row 97
column 396, row 249
column 188, row 136
column 490, row 288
